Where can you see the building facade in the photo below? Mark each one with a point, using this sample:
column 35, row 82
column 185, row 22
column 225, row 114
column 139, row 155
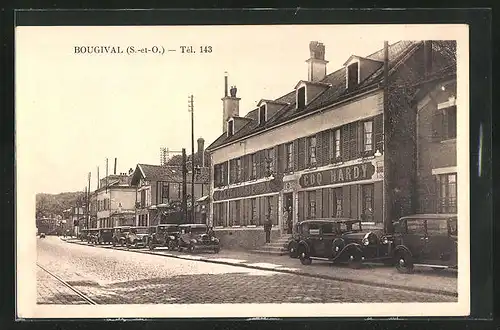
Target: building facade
column 159, row 190
column 338, row 145
column 115, row 201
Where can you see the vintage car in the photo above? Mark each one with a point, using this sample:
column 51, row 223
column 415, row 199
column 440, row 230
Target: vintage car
column 119, row 235
column 105, row 236
column 93, row 236
column 83, row 234
column 428, row 240
column 194, row 237
column 339, row 240
column 164, row 235
column 42, row 235
column 137, row 237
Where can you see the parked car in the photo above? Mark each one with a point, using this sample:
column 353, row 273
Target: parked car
column 164, row 235
column 83, row 234
column 119, row 235
column 292, row 244
column 425, row 240
column 105, row 236
column 93, row 236
column 42, row 235
column 137, row 237
column 195, row 237
column 339, row 240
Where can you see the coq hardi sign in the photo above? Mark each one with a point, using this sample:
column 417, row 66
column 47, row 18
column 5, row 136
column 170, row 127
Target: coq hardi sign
column 267, row 187
column 338, row 175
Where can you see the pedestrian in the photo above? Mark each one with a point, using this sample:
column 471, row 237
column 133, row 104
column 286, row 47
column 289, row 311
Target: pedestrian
column 267, row 228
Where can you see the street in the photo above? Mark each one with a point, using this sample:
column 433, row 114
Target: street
column 111, row 276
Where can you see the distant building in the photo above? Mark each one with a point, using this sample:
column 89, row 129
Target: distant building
column 115, row 201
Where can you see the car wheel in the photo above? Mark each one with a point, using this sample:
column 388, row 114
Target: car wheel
column 151, row 246
column 114, row 243
column 404, row 262
column 304, row 258
column 292, row 251
column 191, row 248
column 355, row 259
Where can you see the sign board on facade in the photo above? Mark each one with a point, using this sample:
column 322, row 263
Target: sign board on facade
column 351, row 173
column 261, row 188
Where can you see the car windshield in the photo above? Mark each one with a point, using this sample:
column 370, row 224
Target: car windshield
column 349, row 226
column 141, row 230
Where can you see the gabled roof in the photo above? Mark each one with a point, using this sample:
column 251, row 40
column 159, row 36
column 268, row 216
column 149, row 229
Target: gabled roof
column 335, row 92
column 362, row 58
column 166, row 173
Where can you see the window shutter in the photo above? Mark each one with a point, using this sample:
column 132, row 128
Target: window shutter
column 319, row 149
column 246, row 167
column 301, row 203
column 325, row 147
column 275, row 150
column 261, row 162
column 295, row 155
column 224, row 173
column 353, row 144
column 232, row 172
column 325, row 203
column 378, row 133
column 345, row 142
column 281, row 158
column 319, row 199
column 302, row 153
column 437, row 125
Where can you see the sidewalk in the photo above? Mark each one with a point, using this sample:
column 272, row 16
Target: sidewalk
column 423, row 280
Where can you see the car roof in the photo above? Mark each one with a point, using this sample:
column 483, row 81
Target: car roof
column 436, row 216
column 329, row 220
column 122, row 227
column 168, row 225
column 193, row 225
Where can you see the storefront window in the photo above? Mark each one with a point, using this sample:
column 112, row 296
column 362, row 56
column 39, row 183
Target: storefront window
column 367, row 203
column 311, row 197
column 448, row 193
column 336, row 202
column 253, row 211
column 237, row 213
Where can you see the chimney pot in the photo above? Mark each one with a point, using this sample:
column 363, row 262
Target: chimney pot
column 316, row 61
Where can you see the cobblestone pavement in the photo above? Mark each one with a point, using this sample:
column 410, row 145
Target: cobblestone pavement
column 51, row 291
column 110, row 276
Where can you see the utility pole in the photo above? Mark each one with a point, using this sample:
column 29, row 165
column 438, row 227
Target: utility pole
column 88, row 201
column 387, row 191
column 184, row 185
column 191, row 109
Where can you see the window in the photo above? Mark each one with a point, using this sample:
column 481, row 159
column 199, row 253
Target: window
column 164, row 193
column 219, row 214
column 239, row 174
column 272, row 159
column 253, row 211
column 230, row 128
column 289, row 157
column 174, row 191
column 262, row 114
column 335, row 146
column 313, row 229
column 301, row 98
column 253, row 160
column 143, row 198
column 447, row 193
column 415, row 226
column 368, row 136
column 352, row 75
column 311, row 143
column 450, row 123
column 311, row 198
column 336, row 198
column 237, row 213
column 327, row 228
column 437, row 227
column 367, row 203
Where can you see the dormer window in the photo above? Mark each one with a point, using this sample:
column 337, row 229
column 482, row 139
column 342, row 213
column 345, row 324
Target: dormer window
column 262, row 114
column 301, row 97
column 352, row 75
column 230, row 127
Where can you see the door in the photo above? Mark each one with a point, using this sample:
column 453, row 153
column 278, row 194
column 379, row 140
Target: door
column 315, row 240
column 414, row 237
column 288, row 212
column 328, row 235
column 439, row 249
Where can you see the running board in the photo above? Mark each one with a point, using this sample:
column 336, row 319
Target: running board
column 434, row 266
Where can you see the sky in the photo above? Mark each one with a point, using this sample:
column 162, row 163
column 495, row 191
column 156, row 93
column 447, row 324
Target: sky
column 75, row 110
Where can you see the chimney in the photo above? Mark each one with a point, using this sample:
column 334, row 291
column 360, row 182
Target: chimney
column 130, row 171
column 114, row 172
column 230, row 104
column 316, row 63
column 427, row 57
column 201, row 151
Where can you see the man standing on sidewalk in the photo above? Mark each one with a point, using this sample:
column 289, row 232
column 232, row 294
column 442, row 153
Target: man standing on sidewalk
column 267, row 228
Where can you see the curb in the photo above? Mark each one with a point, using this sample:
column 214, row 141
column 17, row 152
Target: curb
column 297, row 272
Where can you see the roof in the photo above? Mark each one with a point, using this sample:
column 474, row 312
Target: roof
column 166, row 173
column 335, row 91
column 329, row 220
column 194, row 225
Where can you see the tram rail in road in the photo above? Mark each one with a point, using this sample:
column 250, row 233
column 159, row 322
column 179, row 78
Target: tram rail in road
column 69, row 286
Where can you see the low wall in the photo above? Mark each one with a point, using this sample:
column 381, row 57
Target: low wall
column 243, row 238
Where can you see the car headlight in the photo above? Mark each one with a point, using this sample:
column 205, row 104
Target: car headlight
column 194, row 241
column 366, row 241
column 384, row 240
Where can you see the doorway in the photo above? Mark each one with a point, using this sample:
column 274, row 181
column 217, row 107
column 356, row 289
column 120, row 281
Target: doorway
column 288, row 212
